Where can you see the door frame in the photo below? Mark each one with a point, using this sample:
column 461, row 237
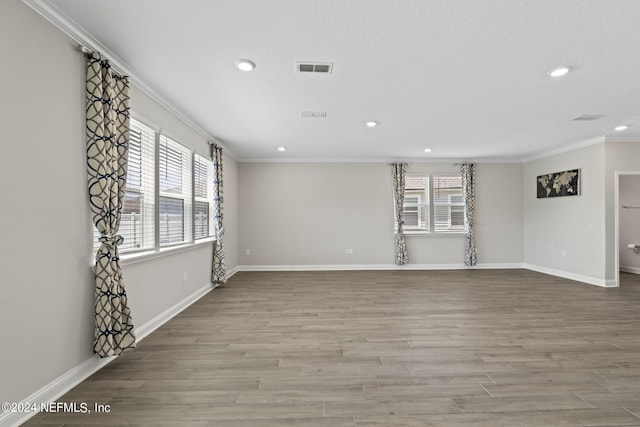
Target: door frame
column 618, row 174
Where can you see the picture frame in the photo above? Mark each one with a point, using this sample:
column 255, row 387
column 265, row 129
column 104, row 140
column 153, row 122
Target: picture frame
column 558, row 184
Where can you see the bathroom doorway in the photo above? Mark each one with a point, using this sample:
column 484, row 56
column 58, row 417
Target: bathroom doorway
column 627, row 218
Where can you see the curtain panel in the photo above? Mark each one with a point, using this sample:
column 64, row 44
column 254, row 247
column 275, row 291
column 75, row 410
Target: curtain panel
column 107, row 121
column 468, row 172
column 398, row 174
column 218, row 269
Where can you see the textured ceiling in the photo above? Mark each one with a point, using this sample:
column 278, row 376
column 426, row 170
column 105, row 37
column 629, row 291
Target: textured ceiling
column 465, row 78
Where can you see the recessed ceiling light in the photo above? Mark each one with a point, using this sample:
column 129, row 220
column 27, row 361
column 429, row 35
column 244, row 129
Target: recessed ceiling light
column 245, row 64
column 559, row 72
column 621, row 128
column 282, row 148
column 372, row 124
column 427, row 150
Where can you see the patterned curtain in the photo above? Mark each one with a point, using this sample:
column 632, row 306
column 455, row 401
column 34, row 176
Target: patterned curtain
column 107, row 155
column 218, row 270
column 468, row 172
column 399, row 171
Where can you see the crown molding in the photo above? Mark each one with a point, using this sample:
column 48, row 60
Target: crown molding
column 572, row 147
column 621, row 138
column 378, row 160
column 81, row 36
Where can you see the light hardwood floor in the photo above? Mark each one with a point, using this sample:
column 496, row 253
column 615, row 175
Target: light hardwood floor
column 383, row 348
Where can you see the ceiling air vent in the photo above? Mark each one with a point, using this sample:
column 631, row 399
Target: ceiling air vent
column 314, row 114
column 587, row 117
column 314, row 67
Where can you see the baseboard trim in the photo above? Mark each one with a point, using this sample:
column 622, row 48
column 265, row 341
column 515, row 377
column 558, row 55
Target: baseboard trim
column 629, row 269
column 571, row 276
column 231, row 272
column 347, row 267
column 162, row 318
column 58, row 387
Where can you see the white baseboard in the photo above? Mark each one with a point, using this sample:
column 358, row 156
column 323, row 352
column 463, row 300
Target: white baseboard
column 231, row 272
column 162, row 318
column 58, row 387
column 571, row 276
column 346, row 267
column 629, row 269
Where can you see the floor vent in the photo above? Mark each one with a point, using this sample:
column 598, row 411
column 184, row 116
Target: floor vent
column 314, row 67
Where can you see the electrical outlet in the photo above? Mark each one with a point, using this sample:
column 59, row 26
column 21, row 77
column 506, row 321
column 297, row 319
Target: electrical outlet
column 563, row 253
column 247, row 251
column 348, row 251
column 185, row 277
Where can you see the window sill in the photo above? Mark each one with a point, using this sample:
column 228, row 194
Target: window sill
column 138, row 257
column 431, row 233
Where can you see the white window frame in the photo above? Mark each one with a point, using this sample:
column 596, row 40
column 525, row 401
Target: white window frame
column 145, row 227
column 158, row 249
column 203, row 198
column 428, row 227
column 180, row 190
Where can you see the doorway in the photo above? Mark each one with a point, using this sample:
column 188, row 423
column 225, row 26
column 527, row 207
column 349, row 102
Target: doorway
column 627, row 227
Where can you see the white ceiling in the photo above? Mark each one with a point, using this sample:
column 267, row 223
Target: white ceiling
column 466, row 78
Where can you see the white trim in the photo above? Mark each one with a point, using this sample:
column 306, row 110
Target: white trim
column 55, row 389
column 571, row 276
column 162, row 318
column 138, row 257
column 81, row 36
column 616, row 221
column 61, row 385
column 629, row 269
column 572, row 147
column 232, row 272
column 620, row 138
column 372, row 267
column 413, row 160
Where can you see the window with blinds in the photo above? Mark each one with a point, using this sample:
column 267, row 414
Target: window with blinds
column 448, row 204
column 168, row 195
column 175, row 186
column 203, row 196
column 433, row 204
column 138, row 211
column 415, row 213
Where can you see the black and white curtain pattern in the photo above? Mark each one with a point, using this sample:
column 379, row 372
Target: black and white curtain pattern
column 468, row 172
column 218, row 270
column 107, row 156
column 398, row 172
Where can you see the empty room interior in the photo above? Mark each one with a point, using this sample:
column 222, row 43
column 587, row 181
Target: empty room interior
column 320, row 213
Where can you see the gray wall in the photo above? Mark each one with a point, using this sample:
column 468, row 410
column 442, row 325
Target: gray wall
column 574, row 224
column 46, row 308
column 307, row 214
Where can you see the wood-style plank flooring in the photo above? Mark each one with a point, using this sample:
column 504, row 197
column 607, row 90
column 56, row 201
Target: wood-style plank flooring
column 382, row 348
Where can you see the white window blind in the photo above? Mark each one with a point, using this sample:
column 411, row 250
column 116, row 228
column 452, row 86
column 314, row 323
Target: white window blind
column 203, row 196
column 415, row 213
column 137, row 218
column 433, row 204
column 175, row 182
column 448, row 204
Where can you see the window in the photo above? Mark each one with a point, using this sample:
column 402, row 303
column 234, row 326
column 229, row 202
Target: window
column 433, row 204
column 203, row 194
column 138, row 211
column 414, row 211
column 168, row 195
column 174, row 180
